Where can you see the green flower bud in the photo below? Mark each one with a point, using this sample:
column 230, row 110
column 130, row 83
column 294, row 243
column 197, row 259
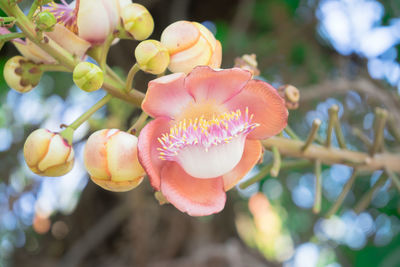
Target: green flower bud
column 137, row 21
column 88, row 76
column 45, row 21
column 22, row 74
column 152, row 56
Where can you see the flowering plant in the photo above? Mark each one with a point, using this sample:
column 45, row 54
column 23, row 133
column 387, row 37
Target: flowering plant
column 210, row 125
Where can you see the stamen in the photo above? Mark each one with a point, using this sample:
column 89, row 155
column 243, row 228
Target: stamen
column 206, row 133
column 65, row 14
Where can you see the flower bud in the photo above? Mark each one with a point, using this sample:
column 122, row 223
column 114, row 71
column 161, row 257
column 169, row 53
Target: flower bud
column 97, row 19
column 45, row 21
column 22, row 74
column 88, row 76
column 48, row 154
column 191, row 44
column 111, row 159
column 152, row 56
column 137, row 21
column 291, row 95
column 248, row 62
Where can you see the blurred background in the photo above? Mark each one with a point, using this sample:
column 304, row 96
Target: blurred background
column 343, row 52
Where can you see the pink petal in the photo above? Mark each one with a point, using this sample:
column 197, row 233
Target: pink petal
column 166, row 96
column 205, row 83
column 197, row 197
column 147, row 149
column 265, row 104
column 251, row 154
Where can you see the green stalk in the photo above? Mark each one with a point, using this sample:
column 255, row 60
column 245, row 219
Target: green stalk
column 11, row 36
column 131, row 75
column 342, row 195
column 367, row 198
column 311, row 136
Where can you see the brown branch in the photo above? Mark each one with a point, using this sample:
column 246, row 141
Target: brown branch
column 363, row 161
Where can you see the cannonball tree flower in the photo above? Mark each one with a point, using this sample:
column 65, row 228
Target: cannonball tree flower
column 205, row 135
column 91, row 20
column 111, row 159
column 190, row 44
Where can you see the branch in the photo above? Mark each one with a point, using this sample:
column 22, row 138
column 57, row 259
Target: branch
column 363, row 161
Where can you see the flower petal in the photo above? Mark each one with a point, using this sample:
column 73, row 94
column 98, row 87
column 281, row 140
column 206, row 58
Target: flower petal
column 196, row 197
column 147, row 148
column 215, row 61
column 220, row 85
column 251, row 155
column 166, row 96
column 265, row 104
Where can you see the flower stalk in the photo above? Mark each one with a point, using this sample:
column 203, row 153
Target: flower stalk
column 312, row 135
column 285, row 165
column 336, row 205
column 276, row 165
column 379, row 123
column 139, row 124
column 68, row 132
column 11, row 36
column 318, row 187
column 367, row 198
column 131, row 75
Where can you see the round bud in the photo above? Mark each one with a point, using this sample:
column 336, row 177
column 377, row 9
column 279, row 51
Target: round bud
column 152, row 56
column 87, row 76
column 248, row 62
column 45, row 21
column 291, row 95
column 111, row 159
column 190, row 44
column 48, row 154
column 137, row 21
column 22, row 74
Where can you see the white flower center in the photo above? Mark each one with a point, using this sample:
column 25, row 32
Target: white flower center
column 207, row 148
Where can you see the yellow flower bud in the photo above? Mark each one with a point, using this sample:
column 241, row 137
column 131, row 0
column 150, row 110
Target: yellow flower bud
column 137, row 21
column 190, row 44
column 45, row 21
column 152, row 56
column 48, row 154
column 22, row 74
column 88, row 77
column 111, row 159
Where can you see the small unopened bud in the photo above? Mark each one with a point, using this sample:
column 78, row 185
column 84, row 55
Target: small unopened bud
column 22, row 74
column 48, row 154
column 137, row 21
column 190, row 44
column 45, row 21
column 152, row 56
column 88, row 77
column 111, row 159
column 291, row 95
column 248, row 62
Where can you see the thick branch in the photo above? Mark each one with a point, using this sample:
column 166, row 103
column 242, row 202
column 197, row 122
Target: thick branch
column 363, row 161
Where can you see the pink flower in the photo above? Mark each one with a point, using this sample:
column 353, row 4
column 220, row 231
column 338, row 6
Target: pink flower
column 205, row 136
